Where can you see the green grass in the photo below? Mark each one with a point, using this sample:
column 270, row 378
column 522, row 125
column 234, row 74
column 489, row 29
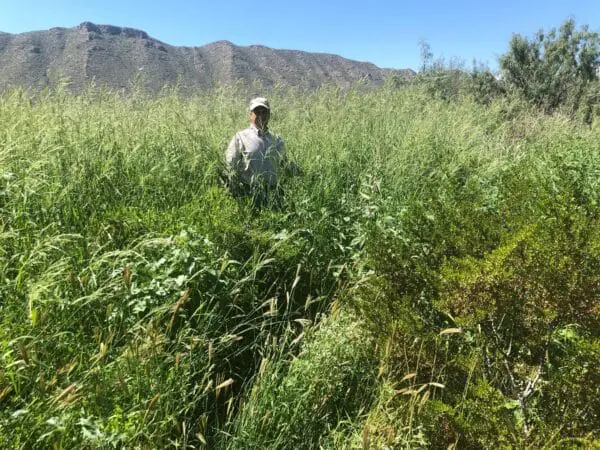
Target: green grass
column 143, row 307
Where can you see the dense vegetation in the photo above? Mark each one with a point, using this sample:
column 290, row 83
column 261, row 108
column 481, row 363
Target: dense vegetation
column 555, row 71
column 432, row 279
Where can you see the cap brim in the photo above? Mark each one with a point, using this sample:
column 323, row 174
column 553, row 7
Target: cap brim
column 260, row 105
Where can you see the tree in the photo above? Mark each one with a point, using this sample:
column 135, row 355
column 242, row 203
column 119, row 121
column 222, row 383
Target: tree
column 553, row 69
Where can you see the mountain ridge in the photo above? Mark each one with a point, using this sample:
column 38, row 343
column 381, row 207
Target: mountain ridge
column 120, row 57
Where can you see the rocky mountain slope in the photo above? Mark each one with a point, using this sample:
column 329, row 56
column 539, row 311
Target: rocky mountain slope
column 118, row 57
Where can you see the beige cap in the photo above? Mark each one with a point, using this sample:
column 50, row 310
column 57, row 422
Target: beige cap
column 259, row 101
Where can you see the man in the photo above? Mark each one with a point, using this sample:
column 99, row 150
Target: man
column 255, row 157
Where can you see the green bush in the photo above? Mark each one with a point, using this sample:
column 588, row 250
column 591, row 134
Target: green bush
column 553, row 69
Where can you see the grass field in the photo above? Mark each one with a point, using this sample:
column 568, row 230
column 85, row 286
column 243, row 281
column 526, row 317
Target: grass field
column 432, row 280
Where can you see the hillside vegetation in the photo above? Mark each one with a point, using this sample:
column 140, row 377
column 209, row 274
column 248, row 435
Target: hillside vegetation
column 431, row 281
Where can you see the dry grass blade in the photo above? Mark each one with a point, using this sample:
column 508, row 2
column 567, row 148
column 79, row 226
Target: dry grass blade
column 451, row 331
column 64, row 392
column 298, row 339
column 201, row 438
column 4, row 393
column 182, row 301
column 408, row 376
column 225, row 384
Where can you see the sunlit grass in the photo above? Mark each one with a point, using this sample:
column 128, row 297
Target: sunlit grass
column 141, row 306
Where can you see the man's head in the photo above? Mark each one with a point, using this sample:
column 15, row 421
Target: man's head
column 260, row 112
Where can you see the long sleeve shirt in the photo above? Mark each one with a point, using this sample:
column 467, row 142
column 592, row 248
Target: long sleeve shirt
column 256, row 156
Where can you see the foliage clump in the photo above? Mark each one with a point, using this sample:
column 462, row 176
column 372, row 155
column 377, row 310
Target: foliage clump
column 555, row 71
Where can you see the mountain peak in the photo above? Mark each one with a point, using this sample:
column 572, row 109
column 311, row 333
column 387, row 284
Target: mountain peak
column 112, row 30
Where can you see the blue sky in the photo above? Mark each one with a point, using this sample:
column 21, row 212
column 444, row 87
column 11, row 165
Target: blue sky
column 386, row 33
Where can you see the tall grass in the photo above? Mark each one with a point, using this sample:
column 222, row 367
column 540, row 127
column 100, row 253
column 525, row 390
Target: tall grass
column 141, row 306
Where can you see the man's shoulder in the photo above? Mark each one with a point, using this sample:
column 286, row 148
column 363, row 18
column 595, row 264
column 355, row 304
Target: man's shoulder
column 247, row 132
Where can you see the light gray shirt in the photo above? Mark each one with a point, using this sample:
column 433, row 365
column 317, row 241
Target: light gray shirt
column 256, row 156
